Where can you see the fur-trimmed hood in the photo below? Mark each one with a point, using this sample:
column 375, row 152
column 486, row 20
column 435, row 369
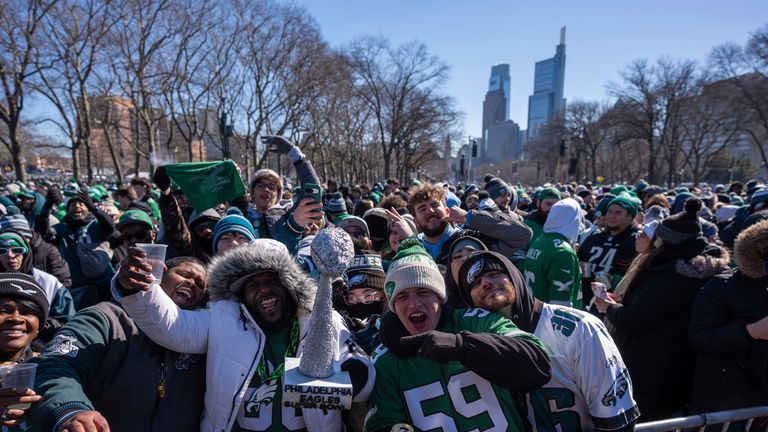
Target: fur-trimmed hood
column 712, row 261
column 258, row 256
column 751, row 250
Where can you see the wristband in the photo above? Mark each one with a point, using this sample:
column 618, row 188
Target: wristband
column 295, row 154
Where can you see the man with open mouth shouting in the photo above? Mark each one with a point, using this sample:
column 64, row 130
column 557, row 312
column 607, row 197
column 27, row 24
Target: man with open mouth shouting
column 452, row 369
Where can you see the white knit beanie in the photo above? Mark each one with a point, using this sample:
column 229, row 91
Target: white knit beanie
column 412, row 267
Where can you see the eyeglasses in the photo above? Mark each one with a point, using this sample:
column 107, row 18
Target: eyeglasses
column 15, row 250
column 367, row 297
column 269, row 186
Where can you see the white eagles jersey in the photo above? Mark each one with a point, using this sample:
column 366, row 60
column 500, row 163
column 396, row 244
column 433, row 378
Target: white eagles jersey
column 590, row 386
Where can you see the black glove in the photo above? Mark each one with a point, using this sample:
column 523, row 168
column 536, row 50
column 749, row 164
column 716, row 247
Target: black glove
column 278, row 144
column 161, row 179
column 437, row 346
column 53, row 197
column 358, row 374
column 87, row 200
column 391, row 329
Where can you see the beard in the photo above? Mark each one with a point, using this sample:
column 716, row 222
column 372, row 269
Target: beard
column 434, row 232
column 289, row 309
column 501, row 299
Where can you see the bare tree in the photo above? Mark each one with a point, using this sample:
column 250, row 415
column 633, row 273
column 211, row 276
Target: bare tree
column 203, row 56
column 339, row 122
column 138, row 45
column 709, row 126
column 20, row 22
column 73, row 36
column 676, row 81
column 745, row 70
column 424, row 133
column 544, row 151
column 654, row 92
column 278, row 56
column 586, row 121
column 388, row 79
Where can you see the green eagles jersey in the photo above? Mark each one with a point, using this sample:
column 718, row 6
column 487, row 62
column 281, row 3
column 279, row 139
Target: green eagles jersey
column 537, row 229
column 444, row 397
column 552, row 271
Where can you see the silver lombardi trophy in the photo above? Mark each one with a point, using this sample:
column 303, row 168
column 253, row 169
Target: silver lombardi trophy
column 316, row 382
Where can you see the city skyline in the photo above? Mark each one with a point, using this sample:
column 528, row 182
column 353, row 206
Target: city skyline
column 603, row 37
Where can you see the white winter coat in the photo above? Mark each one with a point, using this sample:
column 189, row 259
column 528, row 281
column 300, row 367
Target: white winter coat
column 234, row 343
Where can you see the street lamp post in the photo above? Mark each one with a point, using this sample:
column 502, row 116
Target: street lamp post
column 226, row 131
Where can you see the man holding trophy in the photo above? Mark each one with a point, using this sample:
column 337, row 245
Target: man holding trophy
column 259, row 314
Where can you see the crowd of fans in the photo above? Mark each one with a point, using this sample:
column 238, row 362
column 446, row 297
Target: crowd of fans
column 490, row 306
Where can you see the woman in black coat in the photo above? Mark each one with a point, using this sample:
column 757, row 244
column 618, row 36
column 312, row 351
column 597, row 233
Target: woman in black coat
column 650, row 325
column 729, row 330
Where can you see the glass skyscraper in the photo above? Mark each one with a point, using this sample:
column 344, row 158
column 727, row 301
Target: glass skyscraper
column 500, row 137
column 547, row 100
column 500, row 81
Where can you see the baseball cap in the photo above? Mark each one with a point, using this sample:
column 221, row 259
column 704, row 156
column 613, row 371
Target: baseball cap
column 135, row 216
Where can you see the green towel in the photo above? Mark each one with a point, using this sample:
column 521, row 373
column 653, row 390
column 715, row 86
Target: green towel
column 207, row 184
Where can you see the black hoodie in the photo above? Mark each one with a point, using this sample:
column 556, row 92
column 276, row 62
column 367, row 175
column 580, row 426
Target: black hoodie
column 526, row 310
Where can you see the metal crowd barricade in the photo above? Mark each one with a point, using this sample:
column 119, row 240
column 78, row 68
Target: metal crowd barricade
column 702, row 421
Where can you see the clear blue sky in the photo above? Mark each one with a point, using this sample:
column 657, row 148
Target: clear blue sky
column 602, row 37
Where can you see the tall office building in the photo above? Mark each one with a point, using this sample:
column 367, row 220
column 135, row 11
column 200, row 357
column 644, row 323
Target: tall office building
column 499, row 132
column 500, row 80
column 547, row 100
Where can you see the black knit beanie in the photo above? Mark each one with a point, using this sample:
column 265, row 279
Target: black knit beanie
column 25, row 287
column 682, row 226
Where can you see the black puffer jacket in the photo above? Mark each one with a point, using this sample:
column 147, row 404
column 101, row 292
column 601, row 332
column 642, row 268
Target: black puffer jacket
column 731, row 367
column 651, row 326
column 48, row 259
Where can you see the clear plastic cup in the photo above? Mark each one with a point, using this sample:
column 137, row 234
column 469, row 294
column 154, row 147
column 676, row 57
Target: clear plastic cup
column 18, row 375
column 156, row 257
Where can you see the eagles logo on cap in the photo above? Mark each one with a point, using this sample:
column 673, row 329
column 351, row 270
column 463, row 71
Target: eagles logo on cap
column 357, row 280
column 389, row 288
column 474, row 271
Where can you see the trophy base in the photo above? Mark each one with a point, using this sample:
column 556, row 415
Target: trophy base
column 331, row 393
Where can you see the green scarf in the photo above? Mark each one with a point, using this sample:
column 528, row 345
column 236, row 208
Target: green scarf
column 207, row 184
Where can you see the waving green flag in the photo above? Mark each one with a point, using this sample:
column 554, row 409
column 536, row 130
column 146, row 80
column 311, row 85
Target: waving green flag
column 207, row 184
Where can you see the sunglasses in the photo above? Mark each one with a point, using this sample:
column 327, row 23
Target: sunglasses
column 15, row 250
column 127, row 236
